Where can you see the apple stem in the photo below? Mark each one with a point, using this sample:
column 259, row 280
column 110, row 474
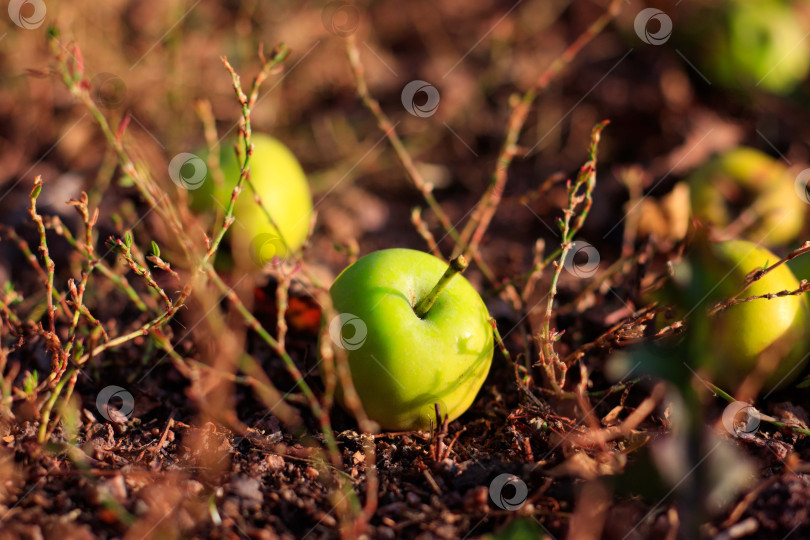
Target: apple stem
column 457, row 265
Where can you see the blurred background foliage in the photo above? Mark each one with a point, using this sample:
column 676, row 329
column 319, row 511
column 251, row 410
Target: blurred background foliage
column 669, row 111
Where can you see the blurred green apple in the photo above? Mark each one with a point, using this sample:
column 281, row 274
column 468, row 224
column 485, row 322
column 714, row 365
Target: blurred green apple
column 282, row 187
column 746, row 330
column 766, row 334
column 745, row 180
column 758, row 44
column 402, row 363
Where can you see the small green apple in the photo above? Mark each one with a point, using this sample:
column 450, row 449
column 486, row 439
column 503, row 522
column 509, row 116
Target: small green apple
column 746, row 180
column 759, row 44
column 764, row 337
column 282, row 187
column 746, row 333
column 402, row 363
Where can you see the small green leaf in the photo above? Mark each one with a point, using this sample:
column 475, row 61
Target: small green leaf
column 31, row 382
column 155, row 249
column 128, row 239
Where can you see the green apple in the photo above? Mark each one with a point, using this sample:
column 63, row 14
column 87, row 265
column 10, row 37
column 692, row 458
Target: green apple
column 746, row 180
column 282, row 187
column 765, row 337
column 402, row 363
column 760, row 330
column 759, row 44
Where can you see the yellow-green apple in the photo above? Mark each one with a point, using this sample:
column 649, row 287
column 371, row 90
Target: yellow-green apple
column 414, row 335
column 764, row 337
column 750, row 192
column 282, row 187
